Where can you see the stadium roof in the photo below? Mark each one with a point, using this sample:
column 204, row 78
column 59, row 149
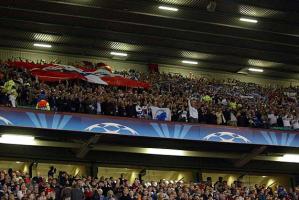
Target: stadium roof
column 267, row 36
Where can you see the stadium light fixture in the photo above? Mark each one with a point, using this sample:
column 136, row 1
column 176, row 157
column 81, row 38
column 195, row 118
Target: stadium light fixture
column 190, row 62
column 119, row 54
column 293, row 158
column 17, row 139
column 168, row 8
column 167, row 152
column 248, row 20
column 255, row 70
column 42, row 45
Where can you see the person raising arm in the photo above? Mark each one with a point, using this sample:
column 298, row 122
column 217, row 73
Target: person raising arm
column 193, row 113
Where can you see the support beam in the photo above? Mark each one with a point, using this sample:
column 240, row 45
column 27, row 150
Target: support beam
column 198, row 177
column 31, row 169
column 141, row 174
column 87, row 146
column 93, row 170
column 248, row 157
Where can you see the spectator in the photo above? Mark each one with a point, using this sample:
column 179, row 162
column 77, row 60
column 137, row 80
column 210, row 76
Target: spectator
column 76, row 193
column 110, row 195
column 10, row 90
column 193, row 113
column 227, row 102
column 51, row 172
column 98, row 195
column 295, row 123
column 233, row 120
column 287, row 121
column 125, row 195
column 272, row 119
column 66, row 193
column 220, row 117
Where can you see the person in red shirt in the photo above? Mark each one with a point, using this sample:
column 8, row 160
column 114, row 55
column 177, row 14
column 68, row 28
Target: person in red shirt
column 88, row 193
column 48, row 189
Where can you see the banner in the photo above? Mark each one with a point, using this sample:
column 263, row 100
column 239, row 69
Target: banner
column 161, row 114
column 101, row 124
column 57, row 72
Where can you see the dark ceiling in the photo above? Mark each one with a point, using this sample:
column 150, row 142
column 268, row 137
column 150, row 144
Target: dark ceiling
column 217, row 40
column 121, row 157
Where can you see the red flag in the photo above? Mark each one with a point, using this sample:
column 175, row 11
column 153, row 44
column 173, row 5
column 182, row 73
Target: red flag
column 57, row 72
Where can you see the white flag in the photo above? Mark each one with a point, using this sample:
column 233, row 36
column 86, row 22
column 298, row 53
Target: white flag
column 162, row 114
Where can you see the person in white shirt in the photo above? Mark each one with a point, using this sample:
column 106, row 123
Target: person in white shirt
column 287, row 121
column 21, row 193
column 220, row 117
column 193, row 112
column 233, row 119
column 138, row 110
column 145, row 108
column 12, row 98
column 99, row 106
column 272, row 119
column 224, row 102
column 295, row 123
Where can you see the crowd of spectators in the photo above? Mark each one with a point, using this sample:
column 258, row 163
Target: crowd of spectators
column 198, row 100
column 17, row 185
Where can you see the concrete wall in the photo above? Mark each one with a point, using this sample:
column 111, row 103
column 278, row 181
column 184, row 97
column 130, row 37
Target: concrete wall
column 125, row 65
column 250, row 180
column 187, row 176
column 157, row 175
column 43, row 168
column 129, row 173
column 15, row 166
column 151, row 175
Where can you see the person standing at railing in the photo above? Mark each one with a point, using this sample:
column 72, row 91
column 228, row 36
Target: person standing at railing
column 12, row 96
column 10, row 89
column 193, row 112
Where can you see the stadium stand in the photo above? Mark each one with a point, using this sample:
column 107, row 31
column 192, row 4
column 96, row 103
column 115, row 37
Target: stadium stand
column 17, row 185
column 149, row 100
column 198, row 100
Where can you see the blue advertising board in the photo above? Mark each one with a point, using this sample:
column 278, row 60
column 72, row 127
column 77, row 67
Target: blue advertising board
column 145, row 128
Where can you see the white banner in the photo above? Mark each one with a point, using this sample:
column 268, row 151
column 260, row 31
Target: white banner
column 162, row 114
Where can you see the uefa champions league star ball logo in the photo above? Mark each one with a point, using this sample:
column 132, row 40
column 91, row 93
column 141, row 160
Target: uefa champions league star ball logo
column 111, row 128
column 226, row 137
column 4, row 121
